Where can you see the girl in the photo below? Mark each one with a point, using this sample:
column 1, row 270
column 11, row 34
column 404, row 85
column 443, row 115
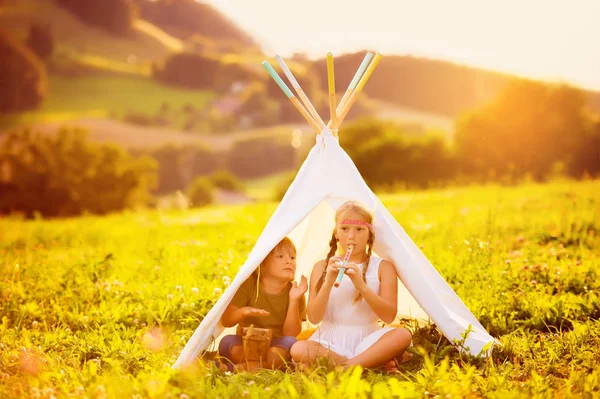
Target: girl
column 349, row 333
column 279, row 306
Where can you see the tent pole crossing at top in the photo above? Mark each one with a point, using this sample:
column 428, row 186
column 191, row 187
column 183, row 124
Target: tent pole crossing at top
column 337, row 111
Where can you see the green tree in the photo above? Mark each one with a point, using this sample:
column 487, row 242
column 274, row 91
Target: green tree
column 260, row 156
column 189, row 70
column 170, row 159
column 65, row 175
column 385, row 154
column 40, row 40
column 255, row 104
column 226, row 180
column 178, row 165
column 23, row 82
column 201, row 192
column 586, row 162
column 525, row 131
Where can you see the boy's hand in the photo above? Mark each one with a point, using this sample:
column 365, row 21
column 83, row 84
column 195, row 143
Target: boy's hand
column 298, row 290
column 249, row 311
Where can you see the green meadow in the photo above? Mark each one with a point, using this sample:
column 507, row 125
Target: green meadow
column 107, row 96
column 102, row 306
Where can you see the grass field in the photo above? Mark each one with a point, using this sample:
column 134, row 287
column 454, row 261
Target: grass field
column 102, row 306
column 106, row 96
column 264, row 189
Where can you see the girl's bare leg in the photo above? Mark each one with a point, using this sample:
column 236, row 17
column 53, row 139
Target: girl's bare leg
column 390, row 345
column 307, row 352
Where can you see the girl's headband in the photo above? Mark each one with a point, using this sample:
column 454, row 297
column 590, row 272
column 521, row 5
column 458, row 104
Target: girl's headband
column 360, row 222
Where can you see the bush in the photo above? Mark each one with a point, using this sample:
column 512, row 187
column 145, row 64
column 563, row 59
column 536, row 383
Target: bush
column 282, row 187
column 40, row 40
column 226, row 180
column 384, row 154
column 178, row 165
column 201, row 192
column 23, row 79
column 169, row 160
column 189, row 70
column 260, row 157
column 586, row 158
column 196, row 71
column 65, row 175
column 229, row 74
column 258, row 106
column 140, row 119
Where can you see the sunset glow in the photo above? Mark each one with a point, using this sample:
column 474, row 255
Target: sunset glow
column 551, row 40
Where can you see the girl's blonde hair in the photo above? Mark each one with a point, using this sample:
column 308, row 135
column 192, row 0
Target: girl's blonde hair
column 356, row 207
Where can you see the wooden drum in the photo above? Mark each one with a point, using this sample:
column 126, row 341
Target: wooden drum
column 256, row 342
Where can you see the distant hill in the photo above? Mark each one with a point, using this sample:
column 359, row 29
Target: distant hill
column 148, row 41
column 421, row 91
column 434, row 86
column 186, row 18
column 77, row 39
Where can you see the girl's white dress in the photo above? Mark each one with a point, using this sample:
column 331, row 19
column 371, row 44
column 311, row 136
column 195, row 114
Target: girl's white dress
column 349, row 328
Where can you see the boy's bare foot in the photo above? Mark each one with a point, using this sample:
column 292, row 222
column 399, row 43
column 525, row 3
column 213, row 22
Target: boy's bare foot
column 222, row 367
column 216, row 363
column 303, row 367
column 248, row 366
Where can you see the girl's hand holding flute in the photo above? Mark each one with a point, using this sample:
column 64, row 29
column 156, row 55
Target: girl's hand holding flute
column 343, row 268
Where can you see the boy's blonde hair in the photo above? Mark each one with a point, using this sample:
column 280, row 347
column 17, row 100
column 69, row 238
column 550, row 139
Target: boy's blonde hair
column 286, row 244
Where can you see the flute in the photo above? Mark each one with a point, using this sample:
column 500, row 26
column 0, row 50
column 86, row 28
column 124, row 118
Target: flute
column 341, row 272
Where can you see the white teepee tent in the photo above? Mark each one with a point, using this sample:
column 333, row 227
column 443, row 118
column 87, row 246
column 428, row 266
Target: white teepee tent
column 327, row 179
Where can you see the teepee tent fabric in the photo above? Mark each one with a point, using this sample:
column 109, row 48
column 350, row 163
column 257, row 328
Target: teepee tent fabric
column 326, row 180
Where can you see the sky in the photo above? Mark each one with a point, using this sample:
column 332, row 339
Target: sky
column 557, row 40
